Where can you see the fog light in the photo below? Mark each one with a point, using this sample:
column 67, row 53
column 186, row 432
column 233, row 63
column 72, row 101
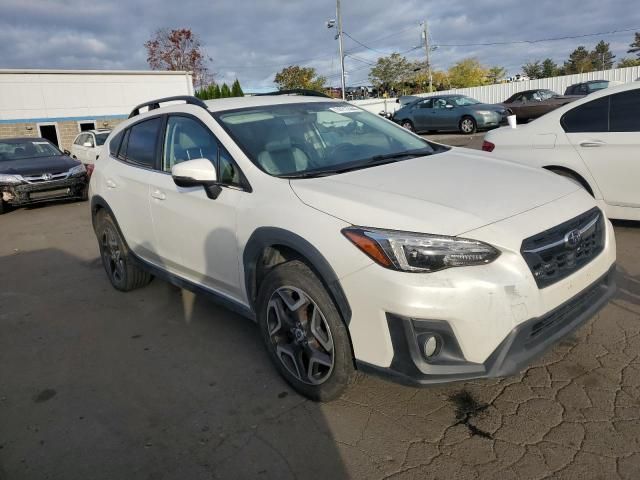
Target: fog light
column 431, row 346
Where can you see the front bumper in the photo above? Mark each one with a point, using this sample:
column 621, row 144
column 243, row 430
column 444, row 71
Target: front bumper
column 32, row 193
column 523, row 344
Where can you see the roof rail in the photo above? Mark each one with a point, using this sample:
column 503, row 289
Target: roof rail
column 295, row 91
column 153, row 104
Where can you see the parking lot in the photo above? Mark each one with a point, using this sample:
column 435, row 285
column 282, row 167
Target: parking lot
column 159, row 383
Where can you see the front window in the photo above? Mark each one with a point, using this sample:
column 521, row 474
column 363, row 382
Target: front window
column 319, row 138
column 463, row 101
column 19, row 150
column 101, row 138
column 546, row 94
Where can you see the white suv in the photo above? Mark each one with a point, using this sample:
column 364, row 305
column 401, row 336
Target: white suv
column 354, row 244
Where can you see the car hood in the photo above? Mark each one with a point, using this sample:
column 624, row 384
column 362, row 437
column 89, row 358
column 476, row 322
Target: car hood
column 447, row 193
column 35, row 166
column 486, row 106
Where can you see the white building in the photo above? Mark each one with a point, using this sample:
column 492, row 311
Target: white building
column 57, row 104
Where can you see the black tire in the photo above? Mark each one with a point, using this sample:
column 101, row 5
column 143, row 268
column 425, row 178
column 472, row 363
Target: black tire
column 293, row 333
column 408, row 124
column 468, row 125
column 4, row 207
column 117, row 261
column 85, row 193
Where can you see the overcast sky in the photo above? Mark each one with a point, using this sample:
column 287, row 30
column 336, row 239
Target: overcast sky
column 252, row 40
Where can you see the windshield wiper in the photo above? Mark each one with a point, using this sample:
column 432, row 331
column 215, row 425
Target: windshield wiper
column 369, row 162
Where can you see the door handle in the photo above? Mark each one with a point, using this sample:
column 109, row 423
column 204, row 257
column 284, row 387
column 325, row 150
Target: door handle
column 158, row 195
column 592, row 143
column 111, row 184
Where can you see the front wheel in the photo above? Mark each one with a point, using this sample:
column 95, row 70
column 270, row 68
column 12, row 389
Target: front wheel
column 4, row 206
column 304, row 332
column 407, row 124
column 468, row 125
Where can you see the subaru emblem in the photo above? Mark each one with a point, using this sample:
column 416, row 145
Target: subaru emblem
column 572, row 239
column 47, row 176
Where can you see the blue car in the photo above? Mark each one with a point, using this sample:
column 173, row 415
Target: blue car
column 450, row 113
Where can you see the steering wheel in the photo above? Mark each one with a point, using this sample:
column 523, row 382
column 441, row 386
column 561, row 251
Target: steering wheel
column 341, row 150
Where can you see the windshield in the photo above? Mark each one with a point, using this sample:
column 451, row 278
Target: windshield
column 546, row 94
column 598, row 86
column 18, row 150
column 307, row 139
column 463, row 101
column 101, row 138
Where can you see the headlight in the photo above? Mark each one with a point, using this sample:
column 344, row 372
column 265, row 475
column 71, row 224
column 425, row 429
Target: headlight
column 11, row 179
column 78, row 170
column 414, row 252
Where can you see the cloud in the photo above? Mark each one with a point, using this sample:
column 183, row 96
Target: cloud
column 253, row 40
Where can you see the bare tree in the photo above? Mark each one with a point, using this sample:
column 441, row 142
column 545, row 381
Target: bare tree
column 178, row 49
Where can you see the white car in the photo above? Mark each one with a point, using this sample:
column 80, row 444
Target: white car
column 354, row 244
column 594, row 141
column 86, row 146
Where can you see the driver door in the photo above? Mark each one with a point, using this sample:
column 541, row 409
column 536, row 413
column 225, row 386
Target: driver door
column 196, row 235
column 423, row 115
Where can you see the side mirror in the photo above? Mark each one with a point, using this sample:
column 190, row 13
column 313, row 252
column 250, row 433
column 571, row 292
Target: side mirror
column 87, row 144
column 448, row 106
column 199, row 172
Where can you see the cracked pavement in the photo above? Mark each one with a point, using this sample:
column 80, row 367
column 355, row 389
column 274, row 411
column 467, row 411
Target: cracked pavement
column 161, row 384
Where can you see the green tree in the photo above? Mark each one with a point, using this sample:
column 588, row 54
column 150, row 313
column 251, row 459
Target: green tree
column 629, row 62
column 392, row 72
column 602, row 57
column 225, row 91
column 533, row 70
column 634, row 47
column 580, row 61
column 549, row 68
column 496, row 74
column 294, row 76
column 236, row 89
column 216, row 91
column 467, row 73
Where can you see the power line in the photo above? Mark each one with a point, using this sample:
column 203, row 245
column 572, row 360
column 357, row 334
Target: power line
column 365, row 46
column 540, row 40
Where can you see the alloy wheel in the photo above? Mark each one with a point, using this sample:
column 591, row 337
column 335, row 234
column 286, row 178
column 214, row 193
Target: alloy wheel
column 408, row 126
column 467, row 125
column 301, row 336
column 112, row 254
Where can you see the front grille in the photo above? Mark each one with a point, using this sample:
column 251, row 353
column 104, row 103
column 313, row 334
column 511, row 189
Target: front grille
column 558, row 252
column 45, row 177
column 560, row 317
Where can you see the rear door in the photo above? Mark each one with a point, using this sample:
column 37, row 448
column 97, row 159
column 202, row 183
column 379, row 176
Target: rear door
column 196, row 235
column 606, row 134
column 127, row 184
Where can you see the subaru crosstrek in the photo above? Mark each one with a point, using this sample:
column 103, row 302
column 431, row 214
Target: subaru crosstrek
column 352, row 242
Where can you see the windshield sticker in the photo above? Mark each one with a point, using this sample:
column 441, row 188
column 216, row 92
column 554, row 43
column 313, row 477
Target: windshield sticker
column 346, row 109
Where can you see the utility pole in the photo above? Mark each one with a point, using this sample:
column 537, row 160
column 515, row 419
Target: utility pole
column 427, row 48
column 339, row 19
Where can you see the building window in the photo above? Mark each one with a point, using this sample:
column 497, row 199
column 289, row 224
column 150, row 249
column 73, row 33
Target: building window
column 84, row 126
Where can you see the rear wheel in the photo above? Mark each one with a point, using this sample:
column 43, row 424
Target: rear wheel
column 4, row 206
column 118, row 263
column 468, row 125
column 304, row 332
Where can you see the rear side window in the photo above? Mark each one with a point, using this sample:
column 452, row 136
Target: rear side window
column 588, row 117
column 625, row 112
column 114, row 144
column 141, row 147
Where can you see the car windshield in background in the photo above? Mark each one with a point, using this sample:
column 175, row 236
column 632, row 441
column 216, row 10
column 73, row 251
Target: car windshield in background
column 598, row 86
column 315, row 139
column 463, row 101
column 101, row 138
column 26, row 149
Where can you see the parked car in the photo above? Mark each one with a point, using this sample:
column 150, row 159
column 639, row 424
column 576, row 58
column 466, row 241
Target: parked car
column 86, row 146
column 450, row 112
column 593, row 141
column 532, row 104
column 586, row 88
column 352, row 242
column 33, row 170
